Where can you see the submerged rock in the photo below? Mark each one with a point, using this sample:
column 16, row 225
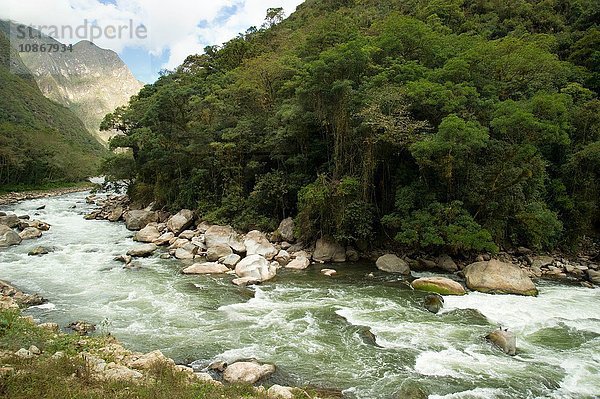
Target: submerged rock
column 505, row 340
column 433, row 303
column 38, row 251
column 439, row 285
column 142, row 251
column 247, row 372
column 392, row 264
column 497, row 277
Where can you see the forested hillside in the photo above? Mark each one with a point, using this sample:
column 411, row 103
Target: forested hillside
column 41, row 142
column 451, row 125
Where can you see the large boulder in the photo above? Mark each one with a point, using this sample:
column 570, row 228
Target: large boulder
column 30, row 233
column 505, row 340
column 8, row 237
column 138, row 219
column 299, row 263
column 142, row 251
column 285, row 231
column 11, row 221
column 392, row 264
column 594, row 276
column 217, row 252
column 148, row 234
column 497, row 277
column 231, row 260
column 283, row 257
column 164, row 239
column 446, row 263
column 328, row 250
column 257, row 244
column 247, row 372
column 181, row 221
column 439, row 285
column 206, row 268
column 255, row 267
column 115, row 213
column 223, row 235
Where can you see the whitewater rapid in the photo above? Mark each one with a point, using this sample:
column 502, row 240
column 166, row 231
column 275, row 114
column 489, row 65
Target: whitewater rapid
column 314, row 328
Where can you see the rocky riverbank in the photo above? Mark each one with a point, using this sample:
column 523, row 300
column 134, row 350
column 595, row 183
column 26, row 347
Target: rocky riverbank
column 103, row 360
column 13, row 197
column 14, row 229
column 255, row 257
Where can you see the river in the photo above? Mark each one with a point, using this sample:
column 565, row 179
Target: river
column 311, row 326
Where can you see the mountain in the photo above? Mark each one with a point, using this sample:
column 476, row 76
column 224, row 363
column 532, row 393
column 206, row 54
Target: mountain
column 90, row 81
column 40, row 141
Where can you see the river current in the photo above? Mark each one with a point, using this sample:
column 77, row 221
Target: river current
column 366, row 336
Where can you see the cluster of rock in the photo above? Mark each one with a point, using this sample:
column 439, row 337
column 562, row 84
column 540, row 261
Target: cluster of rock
column 11, row 198
column 13, row 298
column 15, row 229
column 253, row 257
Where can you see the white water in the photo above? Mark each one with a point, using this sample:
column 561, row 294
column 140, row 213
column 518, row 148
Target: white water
column 309, row 325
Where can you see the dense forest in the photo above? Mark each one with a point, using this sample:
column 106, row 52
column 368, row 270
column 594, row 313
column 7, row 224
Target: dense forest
column 41, row 142
column 448, row 125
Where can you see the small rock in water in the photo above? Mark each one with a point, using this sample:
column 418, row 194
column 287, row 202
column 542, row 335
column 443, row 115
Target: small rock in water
column 37, row 251
column 505, row 340
column 40, row 208
column 433, row 303
column 123, row 259
column 328, row 272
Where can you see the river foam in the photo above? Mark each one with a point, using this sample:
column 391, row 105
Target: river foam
column 368, row 337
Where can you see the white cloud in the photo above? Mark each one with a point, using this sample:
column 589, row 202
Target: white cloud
column 182, row 27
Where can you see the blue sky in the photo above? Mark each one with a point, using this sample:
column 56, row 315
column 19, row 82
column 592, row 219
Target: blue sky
column 175, row 28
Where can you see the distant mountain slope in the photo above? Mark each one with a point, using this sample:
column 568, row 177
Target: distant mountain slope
column 40, row 141
column 91, row 81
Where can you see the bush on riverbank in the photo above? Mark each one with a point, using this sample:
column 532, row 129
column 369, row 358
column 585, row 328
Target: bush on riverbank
column 70, row 376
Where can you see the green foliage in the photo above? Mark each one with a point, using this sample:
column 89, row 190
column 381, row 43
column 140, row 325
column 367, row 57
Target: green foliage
column 538, row 227
column 328, row 114
column 446, row 227
column 334, row 208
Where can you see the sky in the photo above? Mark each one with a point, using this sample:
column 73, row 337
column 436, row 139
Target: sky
column 154, row 34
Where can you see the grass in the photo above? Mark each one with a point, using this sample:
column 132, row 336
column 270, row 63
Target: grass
column 70, row 377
